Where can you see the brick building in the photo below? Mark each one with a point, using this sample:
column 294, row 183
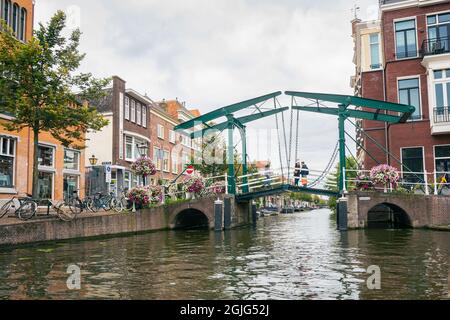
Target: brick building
column 135, row 121
column 404, row 57
column 61, row 169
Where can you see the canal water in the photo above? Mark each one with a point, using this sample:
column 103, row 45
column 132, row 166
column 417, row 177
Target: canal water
column 299, row 256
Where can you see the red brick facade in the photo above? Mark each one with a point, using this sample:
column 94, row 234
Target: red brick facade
column 383, row 85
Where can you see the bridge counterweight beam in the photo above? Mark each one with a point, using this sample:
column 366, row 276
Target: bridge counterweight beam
column 230, row 157
column 342, row 159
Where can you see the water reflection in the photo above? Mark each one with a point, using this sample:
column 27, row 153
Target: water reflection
column 298, row 256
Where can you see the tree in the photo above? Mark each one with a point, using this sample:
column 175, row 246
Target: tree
column 333, row 180
column 38, row 83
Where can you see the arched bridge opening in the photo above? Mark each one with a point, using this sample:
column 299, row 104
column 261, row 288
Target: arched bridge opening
column 388, row 216
column 191, row 219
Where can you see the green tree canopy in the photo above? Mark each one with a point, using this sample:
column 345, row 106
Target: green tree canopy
column 38, row 82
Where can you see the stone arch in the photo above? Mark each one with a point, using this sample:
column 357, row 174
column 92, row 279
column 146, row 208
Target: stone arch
column 191, row 218
column 388, row 215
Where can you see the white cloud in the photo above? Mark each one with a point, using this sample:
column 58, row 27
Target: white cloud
column 214, row 53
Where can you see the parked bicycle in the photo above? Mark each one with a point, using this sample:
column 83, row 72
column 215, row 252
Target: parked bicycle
column 121, row 203
column 101, row 202
column 22, row 207
column 76, row 205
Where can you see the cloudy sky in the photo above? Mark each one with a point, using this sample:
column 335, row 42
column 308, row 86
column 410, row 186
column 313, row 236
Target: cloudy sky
column 211, row 53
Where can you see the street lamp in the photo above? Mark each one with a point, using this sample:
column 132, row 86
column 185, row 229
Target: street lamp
column 93, row 161
column 143, row 148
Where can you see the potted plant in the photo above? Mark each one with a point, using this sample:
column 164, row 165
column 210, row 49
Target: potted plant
column 139, row 196
column 193, row 185
column 363, row 183
column 385, row 175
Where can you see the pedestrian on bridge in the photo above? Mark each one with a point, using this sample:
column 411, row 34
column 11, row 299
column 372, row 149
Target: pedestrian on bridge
column 304, row 173
column 267, row 174
column 297, row 173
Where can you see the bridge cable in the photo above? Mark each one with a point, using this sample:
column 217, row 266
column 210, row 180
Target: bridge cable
column 328, row 167
column 385, row 151
column 290, row 142
column 279, row 140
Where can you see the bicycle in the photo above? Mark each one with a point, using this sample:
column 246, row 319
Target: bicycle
column 76, row 205
column 24, row 207
column 100, row 201
column 121, row 202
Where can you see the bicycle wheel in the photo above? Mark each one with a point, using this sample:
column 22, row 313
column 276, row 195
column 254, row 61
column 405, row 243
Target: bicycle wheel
column 4, row 210
column 27, row 210
column 75, row 206
column 63, row 212
column 117, row 205
column 106, row 204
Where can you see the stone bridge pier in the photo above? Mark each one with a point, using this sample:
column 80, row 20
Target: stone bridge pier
column 369, row 209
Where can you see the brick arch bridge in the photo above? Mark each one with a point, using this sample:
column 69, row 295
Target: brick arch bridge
column 422, row 211
column 193, row 209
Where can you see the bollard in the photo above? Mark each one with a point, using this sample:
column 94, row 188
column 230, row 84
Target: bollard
column 227, row 213
column 218, row 215
column 254, row 215
column 342, row 214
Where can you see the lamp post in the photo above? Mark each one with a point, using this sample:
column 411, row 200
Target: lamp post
column 143, row 148
column 93, row 161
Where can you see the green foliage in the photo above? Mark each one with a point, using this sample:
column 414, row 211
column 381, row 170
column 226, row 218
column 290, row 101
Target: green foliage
column 333, row 180
column 38, row 82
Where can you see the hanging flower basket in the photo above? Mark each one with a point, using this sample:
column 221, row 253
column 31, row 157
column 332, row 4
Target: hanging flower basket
column 144, row 167
column 385, row 175
column 193, row 184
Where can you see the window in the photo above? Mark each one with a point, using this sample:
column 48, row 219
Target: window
column 174, row 163
column 138, row 113
column 23, row 24
column 405, row 36
column 439, row 32
column 144, row 116
column 46, row 156
column 135, row 181
column 412, row 161
column 131, row 148
column 374, row 51
column 166, row 157
column 186, row 159
column 127, row 180
column 70, row 185
column 15, row 18
column 409, row 94
column 7, row 161
column 137, row 143
column 442, row 94
column 45, row 185
column 172, row 136
column 127, row 108
column 128, row 148
column 133, row 111
column 442, row 159
column 71, row 160
column 157, row 157
column 160, row 131
column 6, row 14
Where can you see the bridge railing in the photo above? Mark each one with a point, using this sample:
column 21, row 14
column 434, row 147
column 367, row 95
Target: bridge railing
column 436, row 183
column 207, row 191
column 279, row 176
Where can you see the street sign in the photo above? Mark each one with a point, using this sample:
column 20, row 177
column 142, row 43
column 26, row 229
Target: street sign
column 108, row 170
column 190, row 170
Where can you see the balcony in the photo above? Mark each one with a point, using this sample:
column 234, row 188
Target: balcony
column 436, row 46
column 441, row 121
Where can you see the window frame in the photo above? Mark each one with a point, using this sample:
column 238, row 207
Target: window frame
column 438, row 158
column 379, row 64
column 14, row 160
column 23, row 24
column 138, row 113
column 53, row 148
column 156, row 159
column 166, row 152
column 15, row 19
column 144, row 116
column 424, row 166
column 78, row 162
column 417, row 77
column 395, row 21
column 133, row 111
column 160, row 131
column 172, row 136
column 127, row 108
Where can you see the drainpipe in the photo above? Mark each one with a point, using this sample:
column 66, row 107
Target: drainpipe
column 386, row 125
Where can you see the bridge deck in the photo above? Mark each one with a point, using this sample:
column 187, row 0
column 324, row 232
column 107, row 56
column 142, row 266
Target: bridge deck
column 282, row 189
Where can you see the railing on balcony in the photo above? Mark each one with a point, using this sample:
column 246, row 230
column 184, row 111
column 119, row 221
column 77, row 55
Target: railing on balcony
column 442, row 115
column 436, row 46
